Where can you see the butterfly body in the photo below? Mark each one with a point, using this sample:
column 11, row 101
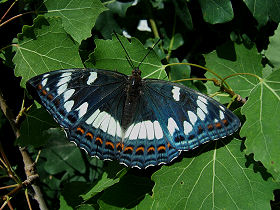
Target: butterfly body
column 139, row 122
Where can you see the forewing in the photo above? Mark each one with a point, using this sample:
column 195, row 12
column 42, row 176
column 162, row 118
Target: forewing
column 188, row 118
column 87, row 103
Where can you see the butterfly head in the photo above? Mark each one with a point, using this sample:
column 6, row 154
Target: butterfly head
column 135, row 78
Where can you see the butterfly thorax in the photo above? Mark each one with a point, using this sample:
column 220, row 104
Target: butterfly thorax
column 133, row 92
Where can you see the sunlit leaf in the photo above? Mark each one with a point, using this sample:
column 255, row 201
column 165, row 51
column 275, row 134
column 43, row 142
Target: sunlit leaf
column 43, row 47
column 221, row 178
column 261, row 128
column 78, row 17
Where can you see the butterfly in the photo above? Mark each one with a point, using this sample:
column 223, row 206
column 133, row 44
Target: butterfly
column 139, row 122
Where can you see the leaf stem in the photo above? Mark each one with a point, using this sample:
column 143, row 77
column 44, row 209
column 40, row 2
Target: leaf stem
column 154, row 28
column 199, row 66
column 8, row 10
column 17, row 16
column 203, row 79
column 238, row 74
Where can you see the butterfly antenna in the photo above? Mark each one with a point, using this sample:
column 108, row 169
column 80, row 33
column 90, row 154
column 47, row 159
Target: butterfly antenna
column 127, row 55
column 129, row 61
column 148, row 53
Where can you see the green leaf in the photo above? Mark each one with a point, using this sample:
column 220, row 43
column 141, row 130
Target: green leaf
column 109, row 54
column 85, row 207
column 216, row 11
column 72, row 190
column 43, row 47
column 273, row 51
column 261, row 128
column 178, row 72
column 119, row 7
column 243, row 61
column 101, row 185
column 177, row 42
column 107, row 24
column 33, row 130
column 63, row 204
column 78, row 17
column 274, row 10
column 62, row 155
column 221, row 178
column 127, row 193
column 184, row 14
column 259, row 9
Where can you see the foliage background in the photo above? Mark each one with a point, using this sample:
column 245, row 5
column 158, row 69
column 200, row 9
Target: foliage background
column 228, row 37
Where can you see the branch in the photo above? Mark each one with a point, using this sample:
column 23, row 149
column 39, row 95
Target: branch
column 29, row 165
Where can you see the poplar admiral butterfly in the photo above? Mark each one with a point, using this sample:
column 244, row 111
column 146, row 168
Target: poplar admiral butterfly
column 139, row 122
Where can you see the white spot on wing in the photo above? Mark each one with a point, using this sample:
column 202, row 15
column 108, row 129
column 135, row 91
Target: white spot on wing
column 66, row 74
column 96, row 123
column 158, row 130
column 127, row 132
column 63, row 80
column 82, row 109
column 135, row 131
column 44, row 82
column 193, row 117
column 61, row 89
column 45, row 75
column 92, row 117
column 142, row 132
column 202, row 106
column 119, row 130
column 172, row 126
column 68, row 105
column 150, row 129
column 92, row 77
column 67, row 94
column 204, row 100
column 222, row 108
column 222, row 116
column 176, row 93
column 200, row 114
column 112, row 127
column 105, row 123
column 187, row 127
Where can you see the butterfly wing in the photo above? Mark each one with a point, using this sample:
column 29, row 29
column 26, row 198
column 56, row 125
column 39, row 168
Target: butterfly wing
column 188, row 118
column 144, row 143
column 87, row 103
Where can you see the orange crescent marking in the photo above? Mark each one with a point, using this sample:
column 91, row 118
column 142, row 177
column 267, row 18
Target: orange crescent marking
column 225, row 121
column 151, row 148
column 109, row 143
column 81, row 130
column 99, row 139
column 218, row 125
column 161, row 147
column 210, row 126
column 40, row 87
column 140, row 148
column 44, row 92
column 90, row 135
column 128, row 148
column 50, row 97
column 169, row 145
